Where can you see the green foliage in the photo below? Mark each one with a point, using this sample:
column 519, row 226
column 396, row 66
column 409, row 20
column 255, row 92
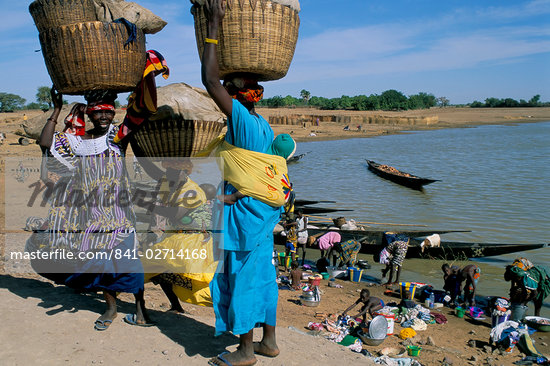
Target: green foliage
column 305, row 95
column 442, row 101
column 534, row 101
column 34, row 105
column 508, row 103
column 422, row 101
column 43, row 96
column 393, row 100
column 389, row 100
column 11, row 102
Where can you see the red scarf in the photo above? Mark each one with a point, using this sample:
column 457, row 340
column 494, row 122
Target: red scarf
column 250, row 95
column 100, row 107
column 250, row 91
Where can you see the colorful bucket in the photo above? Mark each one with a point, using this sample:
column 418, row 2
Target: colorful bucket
column 475, row 312
column 391, row 321
column 355, row 274
column 325, row 275
column 282, row 259
column 407, row 290
column 315, row 280
column 460, row 312
column 413, row 350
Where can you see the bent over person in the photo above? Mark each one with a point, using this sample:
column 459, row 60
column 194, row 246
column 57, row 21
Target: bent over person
column 244, row 291
column 454, row 276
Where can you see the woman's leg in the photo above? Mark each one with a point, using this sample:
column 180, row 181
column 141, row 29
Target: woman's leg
column 538, row 306
column 268, row 345
column 244, row 355
column 398, row 274
column 141, row 311
column 391, row 275
column 111, row 310
column 175, row 305
column 293, row 252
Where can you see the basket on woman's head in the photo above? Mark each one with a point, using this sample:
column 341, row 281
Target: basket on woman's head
column 256, row 36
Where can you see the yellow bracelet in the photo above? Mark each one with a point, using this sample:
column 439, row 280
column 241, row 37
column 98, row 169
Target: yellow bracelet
column 210, row 40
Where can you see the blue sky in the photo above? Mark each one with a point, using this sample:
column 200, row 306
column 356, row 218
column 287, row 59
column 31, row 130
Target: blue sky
column 464, row 50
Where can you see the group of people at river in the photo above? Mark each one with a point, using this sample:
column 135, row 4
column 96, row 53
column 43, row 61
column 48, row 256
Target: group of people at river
column 235, row 275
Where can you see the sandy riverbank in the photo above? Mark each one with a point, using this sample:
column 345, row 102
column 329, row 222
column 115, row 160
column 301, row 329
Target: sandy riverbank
column 383, row 123
column 332, row 123
column 51, row 325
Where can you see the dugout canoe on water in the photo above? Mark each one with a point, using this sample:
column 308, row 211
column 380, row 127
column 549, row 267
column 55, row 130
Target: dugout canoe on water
column 451, row 250
column 398, row 176
column 373, row 240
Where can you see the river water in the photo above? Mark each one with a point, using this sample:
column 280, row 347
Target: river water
column 495, row 182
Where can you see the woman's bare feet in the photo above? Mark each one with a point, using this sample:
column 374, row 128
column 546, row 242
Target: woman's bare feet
column 267, row 350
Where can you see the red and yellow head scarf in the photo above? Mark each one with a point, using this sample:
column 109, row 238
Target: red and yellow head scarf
column 244, row 89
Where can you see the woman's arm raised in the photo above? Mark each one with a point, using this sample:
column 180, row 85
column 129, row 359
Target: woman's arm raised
column 210, row 71
column 49, row 128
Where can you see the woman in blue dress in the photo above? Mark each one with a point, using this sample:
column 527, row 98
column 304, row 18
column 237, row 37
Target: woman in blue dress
column 244, row 290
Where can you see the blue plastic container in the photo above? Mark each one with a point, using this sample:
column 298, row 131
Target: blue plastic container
column 355, row 274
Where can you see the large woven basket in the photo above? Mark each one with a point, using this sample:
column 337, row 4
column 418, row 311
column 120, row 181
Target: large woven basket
column 91, row 56
column 186, row 121
column 176, row 137
column 55, row 13
column 256, row 36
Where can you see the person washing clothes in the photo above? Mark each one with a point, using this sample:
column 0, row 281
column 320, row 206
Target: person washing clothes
column 371, row 305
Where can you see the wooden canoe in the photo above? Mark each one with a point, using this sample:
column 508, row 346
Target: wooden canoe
column 398, row 176
column 295, row 158
column 453, row 250
column 373, row 241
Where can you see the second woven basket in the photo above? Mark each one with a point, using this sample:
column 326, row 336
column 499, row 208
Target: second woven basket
column 256, row 36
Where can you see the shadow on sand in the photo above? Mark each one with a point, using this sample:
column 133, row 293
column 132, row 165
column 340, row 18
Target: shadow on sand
column 195, row 337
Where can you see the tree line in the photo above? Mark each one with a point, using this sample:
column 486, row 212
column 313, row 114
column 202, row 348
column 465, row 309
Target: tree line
column 12, row 102
column 510, row 103
column 390, row 100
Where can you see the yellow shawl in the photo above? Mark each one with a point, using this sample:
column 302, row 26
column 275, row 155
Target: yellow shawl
column 258, row 175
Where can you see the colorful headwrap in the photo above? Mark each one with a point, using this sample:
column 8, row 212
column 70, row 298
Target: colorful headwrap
column 98, row 100
column 100, row 107
column 244, row 89
column 523, row 263
column 143, row 101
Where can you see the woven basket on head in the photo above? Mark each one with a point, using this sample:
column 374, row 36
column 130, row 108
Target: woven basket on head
column 91, row 56
column 256, row 36
column 186, row 121
column 55, row 13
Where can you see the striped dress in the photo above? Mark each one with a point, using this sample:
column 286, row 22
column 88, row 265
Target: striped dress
column 91, row 212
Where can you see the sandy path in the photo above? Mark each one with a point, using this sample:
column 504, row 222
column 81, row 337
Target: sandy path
column 52, row 325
